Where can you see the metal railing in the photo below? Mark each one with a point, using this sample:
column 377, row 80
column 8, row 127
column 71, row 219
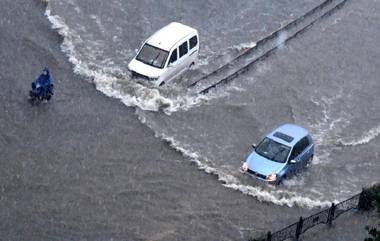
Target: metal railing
column 361, row 201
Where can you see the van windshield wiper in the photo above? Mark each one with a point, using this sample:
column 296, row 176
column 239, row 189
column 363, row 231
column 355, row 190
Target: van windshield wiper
column 155, row 59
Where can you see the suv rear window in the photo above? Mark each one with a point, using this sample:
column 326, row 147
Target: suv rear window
column 193, row 42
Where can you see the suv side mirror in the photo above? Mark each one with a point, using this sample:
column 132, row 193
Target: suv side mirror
column 253, row 146
column 292, row 161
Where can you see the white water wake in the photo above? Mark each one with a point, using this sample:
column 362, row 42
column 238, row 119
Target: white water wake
column 364, row 139
column 114, row 82
column 275, row 196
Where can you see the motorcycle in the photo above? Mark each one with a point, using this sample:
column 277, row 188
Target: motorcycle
column 42, row 87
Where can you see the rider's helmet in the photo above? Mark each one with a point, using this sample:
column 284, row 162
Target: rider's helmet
column 45, row 71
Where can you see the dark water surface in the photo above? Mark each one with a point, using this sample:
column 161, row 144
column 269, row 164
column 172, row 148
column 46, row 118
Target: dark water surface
column 325, row 80
column 83, row 167
column 89, row 167
column 312, row 81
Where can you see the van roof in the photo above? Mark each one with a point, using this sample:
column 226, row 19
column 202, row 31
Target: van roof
column 168, row 36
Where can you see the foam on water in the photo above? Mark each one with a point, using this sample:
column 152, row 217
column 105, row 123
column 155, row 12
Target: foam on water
column 279, row 197
column 364, row 139
column 328, row 125
column 245, row 46
column 281, row 39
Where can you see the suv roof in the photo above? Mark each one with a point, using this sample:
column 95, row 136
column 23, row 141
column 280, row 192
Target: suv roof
column 288, row 130
column 169, row 35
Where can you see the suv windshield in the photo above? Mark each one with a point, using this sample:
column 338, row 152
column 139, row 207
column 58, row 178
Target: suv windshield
column 152, row 56
column 272, row 150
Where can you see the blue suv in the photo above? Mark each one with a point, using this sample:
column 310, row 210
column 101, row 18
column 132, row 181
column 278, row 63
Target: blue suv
column 281, row 154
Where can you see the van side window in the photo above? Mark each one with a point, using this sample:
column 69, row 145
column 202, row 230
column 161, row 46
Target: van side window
column 173, row 57
column 183, row 49
column 193, row 42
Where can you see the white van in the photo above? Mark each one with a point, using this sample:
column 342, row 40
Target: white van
column 166, row 54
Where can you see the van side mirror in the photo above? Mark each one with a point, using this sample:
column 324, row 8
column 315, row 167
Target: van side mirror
column 292, row 161
column 253, row 146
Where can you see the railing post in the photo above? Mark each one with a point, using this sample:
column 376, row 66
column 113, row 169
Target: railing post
column 330, row 218
column 364, row 200
column 299, row 228
column 269, row 236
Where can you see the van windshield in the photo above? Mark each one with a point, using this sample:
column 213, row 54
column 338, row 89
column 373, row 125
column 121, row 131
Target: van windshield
column 152, row 56
column 273, row 150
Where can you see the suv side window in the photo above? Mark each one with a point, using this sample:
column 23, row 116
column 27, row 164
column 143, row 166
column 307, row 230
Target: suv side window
column 193, row 42
column 294, row 154
column 299, row 147
column 183, row 49
column 173, row 57
column 304, row 143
